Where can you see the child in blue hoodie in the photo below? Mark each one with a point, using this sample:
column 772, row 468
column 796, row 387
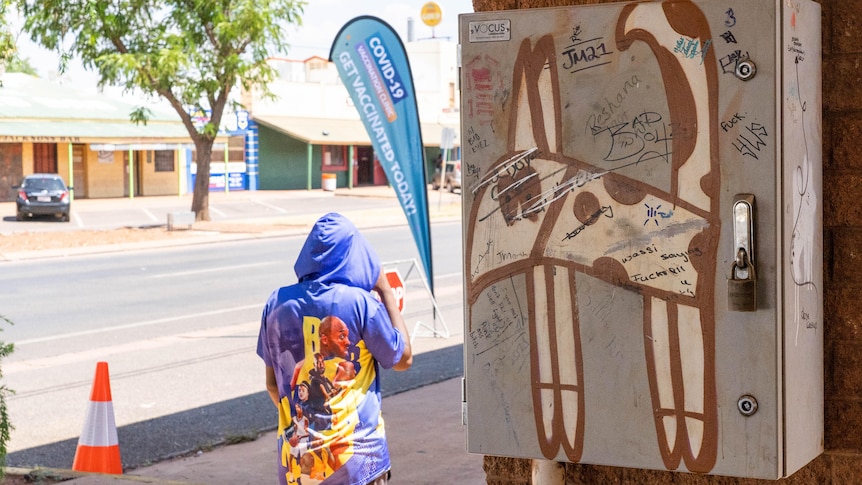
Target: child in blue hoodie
column 322, row 340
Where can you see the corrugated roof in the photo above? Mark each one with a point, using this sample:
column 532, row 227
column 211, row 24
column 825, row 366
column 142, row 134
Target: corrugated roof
column 34, row 109
column 85, row 131
column 25, row 96
column 37, row 110
column 326, row 131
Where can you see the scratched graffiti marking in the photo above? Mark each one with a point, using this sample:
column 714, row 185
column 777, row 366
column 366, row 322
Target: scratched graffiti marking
column 730, row 21
column 804, row 247
column 585, row 54
column 692, row 48
column 752, row 139
column 731, row 61
column 645, row 137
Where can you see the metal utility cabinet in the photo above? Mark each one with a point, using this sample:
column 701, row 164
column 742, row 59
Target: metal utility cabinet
column 643, row 235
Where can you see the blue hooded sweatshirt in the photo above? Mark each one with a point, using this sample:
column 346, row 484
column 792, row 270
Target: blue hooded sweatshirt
column 325, row 337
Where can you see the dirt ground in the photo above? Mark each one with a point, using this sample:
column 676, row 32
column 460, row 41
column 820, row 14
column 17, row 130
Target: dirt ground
column 34, row 241
column 37, row 477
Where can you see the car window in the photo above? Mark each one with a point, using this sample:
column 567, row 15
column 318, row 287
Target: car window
column 43, row 184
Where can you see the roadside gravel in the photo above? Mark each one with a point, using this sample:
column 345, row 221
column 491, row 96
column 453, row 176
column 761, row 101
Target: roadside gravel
column 37, row 241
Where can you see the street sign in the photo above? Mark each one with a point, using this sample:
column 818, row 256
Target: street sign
column 447, row 138
column 397, row 285
column 431, row 14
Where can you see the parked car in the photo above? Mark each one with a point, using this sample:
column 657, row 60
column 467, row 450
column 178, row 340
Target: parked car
column 452, row 180
column 42, row 194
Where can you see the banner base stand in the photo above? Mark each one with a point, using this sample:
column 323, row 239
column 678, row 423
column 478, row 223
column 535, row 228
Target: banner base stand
column 433, row 330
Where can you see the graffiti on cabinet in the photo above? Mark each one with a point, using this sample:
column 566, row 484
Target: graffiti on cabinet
column 541, row 215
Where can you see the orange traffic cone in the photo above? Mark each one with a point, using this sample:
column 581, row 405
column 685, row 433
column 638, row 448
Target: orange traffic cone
column 98, row 447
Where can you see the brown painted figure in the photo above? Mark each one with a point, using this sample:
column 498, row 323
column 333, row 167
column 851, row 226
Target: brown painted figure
column 556, row 216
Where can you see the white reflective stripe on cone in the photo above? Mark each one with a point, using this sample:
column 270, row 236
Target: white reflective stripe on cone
column 99, row 427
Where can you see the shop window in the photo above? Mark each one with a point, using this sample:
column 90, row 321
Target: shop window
column 235, row 148
column 334, row 157
column 164, row 160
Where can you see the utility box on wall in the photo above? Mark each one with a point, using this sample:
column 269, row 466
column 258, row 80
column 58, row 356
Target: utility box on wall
column 643, row 235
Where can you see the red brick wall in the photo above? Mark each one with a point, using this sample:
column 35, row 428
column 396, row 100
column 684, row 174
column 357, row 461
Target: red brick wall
column 842, row 219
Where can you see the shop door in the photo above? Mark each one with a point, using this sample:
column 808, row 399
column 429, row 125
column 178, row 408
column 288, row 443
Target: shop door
column 10, row 169
column 136, row 169
column 79, row 170
column 45, row 158
column 364, row 165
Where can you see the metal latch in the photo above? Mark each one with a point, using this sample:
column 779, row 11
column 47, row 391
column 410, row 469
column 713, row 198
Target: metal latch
column 742, row 285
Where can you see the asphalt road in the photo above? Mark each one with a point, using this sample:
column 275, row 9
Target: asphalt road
column 178, row 327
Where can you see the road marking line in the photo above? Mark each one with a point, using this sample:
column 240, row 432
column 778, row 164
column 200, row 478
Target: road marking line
column 138, row 324
column 150, row 215
column 249, row 329
column 209, row 270
column 271, row 206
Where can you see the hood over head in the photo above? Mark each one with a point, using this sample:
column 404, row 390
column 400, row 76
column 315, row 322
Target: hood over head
column 335, row 252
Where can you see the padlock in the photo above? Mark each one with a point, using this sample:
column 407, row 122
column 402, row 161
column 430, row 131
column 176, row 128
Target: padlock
column 742, row 293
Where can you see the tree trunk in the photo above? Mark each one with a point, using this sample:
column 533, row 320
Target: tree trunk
column 200, row 200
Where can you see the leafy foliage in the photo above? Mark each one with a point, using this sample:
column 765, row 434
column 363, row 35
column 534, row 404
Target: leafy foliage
column 9, row 57
column 7, row 41
column 190, row 52
column 5, row 425
column 19, row 64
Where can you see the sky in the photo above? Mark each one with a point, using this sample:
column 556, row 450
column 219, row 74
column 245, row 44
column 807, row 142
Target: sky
column 320, row 23
column 324, row 18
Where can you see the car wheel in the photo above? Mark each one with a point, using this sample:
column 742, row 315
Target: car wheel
column 64, row 218
column 19, row 216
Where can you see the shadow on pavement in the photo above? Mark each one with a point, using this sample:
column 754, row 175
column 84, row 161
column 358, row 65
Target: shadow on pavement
column 230, row 421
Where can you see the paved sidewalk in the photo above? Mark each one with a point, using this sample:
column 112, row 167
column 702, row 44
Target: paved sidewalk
column 251, row 215
column 426, row 437
column 252, row 207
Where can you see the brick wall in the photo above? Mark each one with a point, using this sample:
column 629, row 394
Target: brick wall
column 842, row 218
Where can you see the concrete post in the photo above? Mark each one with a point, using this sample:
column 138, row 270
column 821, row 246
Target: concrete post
column 548, row 473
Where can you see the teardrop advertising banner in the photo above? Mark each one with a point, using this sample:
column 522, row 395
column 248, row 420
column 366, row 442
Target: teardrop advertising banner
column 373, row 66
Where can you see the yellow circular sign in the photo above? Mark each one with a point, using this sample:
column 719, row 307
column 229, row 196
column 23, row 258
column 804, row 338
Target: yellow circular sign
column 431, row 14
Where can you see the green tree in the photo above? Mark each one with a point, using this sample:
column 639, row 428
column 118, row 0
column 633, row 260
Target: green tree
column 9, row 57
column 192, row 53
column 19, row 64
column 7, row 41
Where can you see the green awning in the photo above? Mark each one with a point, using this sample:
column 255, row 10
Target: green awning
column 329, row 131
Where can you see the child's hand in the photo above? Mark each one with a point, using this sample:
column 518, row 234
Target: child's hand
column 382, row 286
